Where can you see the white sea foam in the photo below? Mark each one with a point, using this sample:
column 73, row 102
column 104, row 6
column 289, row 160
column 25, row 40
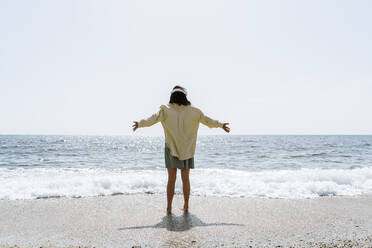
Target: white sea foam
column 52, row 182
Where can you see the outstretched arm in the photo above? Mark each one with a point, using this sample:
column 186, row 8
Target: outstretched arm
column 153, row 119
column 209, row 122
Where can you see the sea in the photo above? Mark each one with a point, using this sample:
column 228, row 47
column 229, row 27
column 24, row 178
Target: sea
column 269, row 166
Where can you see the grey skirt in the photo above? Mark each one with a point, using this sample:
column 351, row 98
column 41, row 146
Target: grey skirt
column 174, row 162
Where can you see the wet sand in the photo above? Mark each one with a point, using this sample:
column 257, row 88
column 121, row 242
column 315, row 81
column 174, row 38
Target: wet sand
column 140, row 221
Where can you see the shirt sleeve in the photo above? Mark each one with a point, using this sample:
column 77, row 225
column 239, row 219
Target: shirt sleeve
column 209, row 122
column 153, row 119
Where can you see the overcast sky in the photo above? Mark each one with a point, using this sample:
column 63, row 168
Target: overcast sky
column 267, row 67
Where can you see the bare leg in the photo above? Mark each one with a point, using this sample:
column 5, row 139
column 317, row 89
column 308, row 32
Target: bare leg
column 172, row 175
column 186, row 188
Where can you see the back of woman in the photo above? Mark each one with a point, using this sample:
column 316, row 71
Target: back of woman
column 180, row 125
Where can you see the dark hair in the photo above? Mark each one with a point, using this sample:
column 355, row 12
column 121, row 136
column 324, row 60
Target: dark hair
column 179, row 97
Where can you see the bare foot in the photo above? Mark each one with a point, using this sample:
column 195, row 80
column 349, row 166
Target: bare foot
column 185, row 209
column 169, row 210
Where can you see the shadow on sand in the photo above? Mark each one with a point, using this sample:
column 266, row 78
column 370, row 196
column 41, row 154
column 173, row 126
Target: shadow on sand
column 180, row 223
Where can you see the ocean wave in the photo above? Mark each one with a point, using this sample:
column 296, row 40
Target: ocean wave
column 308, row 155
column 35, row 183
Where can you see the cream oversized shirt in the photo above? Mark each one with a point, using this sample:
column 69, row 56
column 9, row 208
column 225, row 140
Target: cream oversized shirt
column 180, row 124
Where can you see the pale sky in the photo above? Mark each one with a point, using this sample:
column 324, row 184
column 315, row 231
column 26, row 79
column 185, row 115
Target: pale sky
column 267, row 67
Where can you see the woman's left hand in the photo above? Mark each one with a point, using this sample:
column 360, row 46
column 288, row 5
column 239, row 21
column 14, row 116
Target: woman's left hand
column 135, row 125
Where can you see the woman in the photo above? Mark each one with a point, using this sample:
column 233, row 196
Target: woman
column 180, row 122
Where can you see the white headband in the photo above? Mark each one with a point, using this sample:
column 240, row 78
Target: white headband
column 179, row 90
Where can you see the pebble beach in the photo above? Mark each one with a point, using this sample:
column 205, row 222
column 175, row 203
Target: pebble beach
column 140, row 220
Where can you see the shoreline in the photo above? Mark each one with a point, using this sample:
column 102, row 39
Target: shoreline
column 140, row 220
column 178, row 193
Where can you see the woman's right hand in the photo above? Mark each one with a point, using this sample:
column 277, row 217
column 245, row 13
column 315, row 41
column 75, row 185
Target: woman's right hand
column 226, row 128
column 135, row 125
